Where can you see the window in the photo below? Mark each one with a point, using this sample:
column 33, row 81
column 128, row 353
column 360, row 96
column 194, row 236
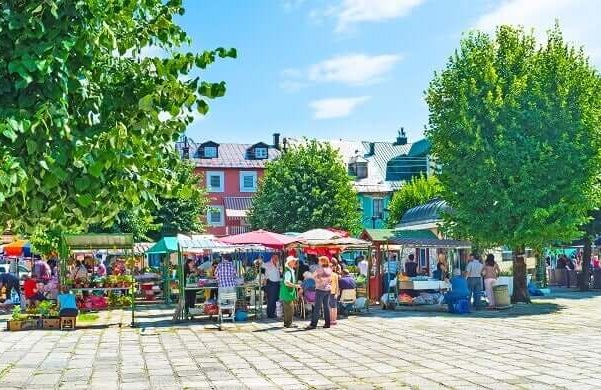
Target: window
column 215, row 216
column 358, row 170
column 378, row 208
column 260, row 153
column 248, row 181
column 215, row 182
column 210, row 152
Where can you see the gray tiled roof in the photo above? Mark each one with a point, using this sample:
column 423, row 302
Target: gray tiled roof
column 233, row 156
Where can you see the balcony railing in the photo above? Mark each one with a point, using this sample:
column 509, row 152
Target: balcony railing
column 231, row 230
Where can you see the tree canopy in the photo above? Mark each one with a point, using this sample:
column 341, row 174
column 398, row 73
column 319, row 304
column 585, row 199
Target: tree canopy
column 516, row 127
column 87, row 120
column 418, row 191
column 307, row 187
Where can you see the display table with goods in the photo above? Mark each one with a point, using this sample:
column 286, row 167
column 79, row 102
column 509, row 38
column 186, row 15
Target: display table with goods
column 206, row 303
column 421, row 290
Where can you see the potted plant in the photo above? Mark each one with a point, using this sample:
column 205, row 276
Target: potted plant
column 48, row 310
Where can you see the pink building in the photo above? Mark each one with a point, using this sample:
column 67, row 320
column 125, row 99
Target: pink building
column 230, row 173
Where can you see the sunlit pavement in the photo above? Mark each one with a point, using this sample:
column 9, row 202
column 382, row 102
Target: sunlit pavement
column 553, row 343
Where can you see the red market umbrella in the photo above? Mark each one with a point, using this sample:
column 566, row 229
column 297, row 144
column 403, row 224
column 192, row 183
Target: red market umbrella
column 260, row 237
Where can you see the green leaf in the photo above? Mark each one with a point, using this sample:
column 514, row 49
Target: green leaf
column 202, row 107
column 32, row 146
column 146, row 103
column 84, row 200
column 44, row 165
column 10, row 134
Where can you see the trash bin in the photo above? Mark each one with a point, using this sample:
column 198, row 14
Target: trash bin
column 501, row 294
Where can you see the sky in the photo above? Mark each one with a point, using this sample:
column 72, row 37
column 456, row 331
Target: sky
column 348, row 69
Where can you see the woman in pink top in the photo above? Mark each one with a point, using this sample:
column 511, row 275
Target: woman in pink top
column 323, row 286
column 490, row 272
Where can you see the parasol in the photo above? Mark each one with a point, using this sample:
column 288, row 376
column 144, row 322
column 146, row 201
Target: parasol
column 260, row 237
column 18, row 248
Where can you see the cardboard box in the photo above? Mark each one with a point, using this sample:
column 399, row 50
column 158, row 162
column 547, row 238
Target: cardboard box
column 51, row 323
column 29, row 324
column 14, row 325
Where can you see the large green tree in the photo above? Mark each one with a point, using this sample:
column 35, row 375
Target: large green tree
column 516, row 127
column 418, row 191
column 87, row 121
column 307, row 187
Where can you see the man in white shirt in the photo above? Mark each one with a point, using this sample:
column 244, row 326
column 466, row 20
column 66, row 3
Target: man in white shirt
column 272, row 284
column 473, row 272
column 363, row 266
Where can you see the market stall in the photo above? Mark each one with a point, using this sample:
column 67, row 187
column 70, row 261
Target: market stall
column 424, row 289
column 95, row 291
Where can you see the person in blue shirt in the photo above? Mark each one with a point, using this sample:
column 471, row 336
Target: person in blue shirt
column 66, row 303
column 459, row 289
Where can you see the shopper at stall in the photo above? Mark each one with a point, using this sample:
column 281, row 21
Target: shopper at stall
column 302, row 268
column 11, row 286
column 80, row 272
column 189, row 295
column 334, row 291
column 473, row 272
column 323, row 285
column 288, row 290
column 459, row 289
column 272, row 284
column 226, row 274
column 442, row 267
column 101, row 269
column 490, row 272
column 411, row 266
column 31, row 291
column 389, row 272
column 362, row 265
column 67, row 305
column 41, row 270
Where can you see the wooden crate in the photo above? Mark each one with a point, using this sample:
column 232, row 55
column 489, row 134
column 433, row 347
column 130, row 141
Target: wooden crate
column 51, row 323
column 14, row 325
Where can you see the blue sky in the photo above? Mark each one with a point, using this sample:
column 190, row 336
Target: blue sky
column 350, row 69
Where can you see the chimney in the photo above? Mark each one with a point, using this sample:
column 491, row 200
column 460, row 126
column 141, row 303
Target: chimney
column 372, row 148
column 276, row 140
column 401, row 138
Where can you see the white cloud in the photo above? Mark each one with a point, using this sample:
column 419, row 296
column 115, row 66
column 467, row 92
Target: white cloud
column 351, row 69
column 578, row 20
column 354, row 69
column 350, row 12
column 336, row 107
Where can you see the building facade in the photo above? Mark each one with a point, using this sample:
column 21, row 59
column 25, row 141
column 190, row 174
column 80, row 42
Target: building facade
column 380, row 168
column 230, row 173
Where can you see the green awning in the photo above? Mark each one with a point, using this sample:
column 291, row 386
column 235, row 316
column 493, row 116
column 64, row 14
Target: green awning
column 377, row 235
column 165, row 245
column 423, row 234
column 99, row 241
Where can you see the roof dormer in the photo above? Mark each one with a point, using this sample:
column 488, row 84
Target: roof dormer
column 357, row 167
column 258, row 151
column 208, row 149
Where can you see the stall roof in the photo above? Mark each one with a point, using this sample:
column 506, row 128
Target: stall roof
column 99, row 241
column 339, row 241
column 377, row 235
column 170, row 245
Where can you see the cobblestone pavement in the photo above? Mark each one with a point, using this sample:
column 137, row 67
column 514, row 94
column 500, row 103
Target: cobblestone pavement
column 553, row 343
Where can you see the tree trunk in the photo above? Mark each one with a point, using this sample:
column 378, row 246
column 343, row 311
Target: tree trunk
column 520, row 286
column 583, row 280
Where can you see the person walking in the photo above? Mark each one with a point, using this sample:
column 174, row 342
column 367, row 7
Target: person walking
column 272, row 284
column 323, row 286
column 473, row 272
column 490, row 272
column 288, row 290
